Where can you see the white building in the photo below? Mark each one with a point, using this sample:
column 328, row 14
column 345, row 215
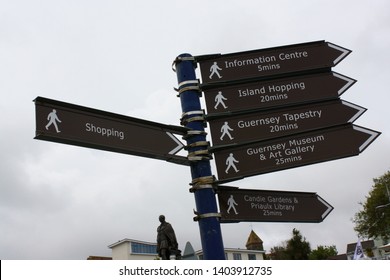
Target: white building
column 130, row 249
column 238, row 254
column 376, row 249
column 254, row 250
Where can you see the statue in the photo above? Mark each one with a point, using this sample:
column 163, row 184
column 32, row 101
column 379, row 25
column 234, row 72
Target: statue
column 166, row 240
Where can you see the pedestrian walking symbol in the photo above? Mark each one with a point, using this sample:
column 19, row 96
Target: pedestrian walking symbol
column 231, row 163
column 214, row 71
column 232, row 204
column 225, row 130
column 53, row 119
column 219, row 98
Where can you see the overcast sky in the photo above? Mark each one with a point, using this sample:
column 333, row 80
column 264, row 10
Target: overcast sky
column 65, row 202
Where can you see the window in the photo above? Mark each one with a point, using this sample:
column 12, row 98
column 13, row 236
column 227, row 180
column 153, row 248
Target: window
column 236, row 256
column 251, row 257
column 141, row 248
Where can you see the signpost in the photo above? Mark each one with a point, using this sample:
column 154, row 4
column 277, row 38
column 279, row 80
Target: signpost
column 317, row 146
column 268, row 109
column 81, row 126
column 270, row 62
column 276, row 92
column 239, row 205
column 269, row 124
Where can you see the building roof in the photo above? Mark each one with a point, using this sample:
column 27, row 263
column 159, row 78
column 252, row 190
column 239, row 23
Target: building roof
column 369, row 244
column 385, row 247
column 339, row 257
column 254, row 241
column 130, row 240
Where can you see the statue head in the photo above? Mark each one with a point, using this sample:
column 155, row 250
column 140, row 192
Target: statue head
column 161, row 218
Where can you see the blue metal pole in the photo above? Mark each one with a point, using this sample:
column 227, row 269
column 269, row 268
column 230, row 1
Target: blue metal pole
column 205, row 200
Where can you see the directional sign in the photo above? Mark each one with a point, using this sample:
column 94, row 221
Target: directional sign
column 277, row 92
column 234, row 163
column 239, row 205
column 66, row 123
column 269, row 62
column 277, row 123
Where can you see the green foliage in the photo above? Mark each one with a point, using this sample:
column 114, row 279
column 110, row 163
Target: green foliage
column 323, row 252
column 297, row 248
column 374, row 219
column 278, row 253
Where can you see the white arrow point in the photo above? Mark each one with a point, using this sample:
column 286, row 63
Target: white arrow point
column 344, row 52
column 179, row 144
column 328, row 210
column 360, row 110
column 373, row 134
column 349, row 83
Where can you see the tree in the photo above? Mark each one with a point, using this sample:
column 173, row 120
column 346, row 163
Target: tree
column 278, row 253
column 297, row 248
column 323, row 252
column 374, row 220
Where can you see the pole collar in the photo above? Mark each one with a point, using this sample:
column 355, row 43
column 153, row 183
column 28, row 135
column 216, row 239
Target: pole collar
column 204, row 216
column 180, row 59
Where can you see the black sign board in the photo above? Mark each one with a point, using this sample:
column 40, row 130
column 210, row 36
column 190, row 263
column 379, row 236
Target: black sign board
column 276, row 92
column 317, row 146
column 239, row 205
column 251, row 127
column 270, row 62
column 66, row 123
